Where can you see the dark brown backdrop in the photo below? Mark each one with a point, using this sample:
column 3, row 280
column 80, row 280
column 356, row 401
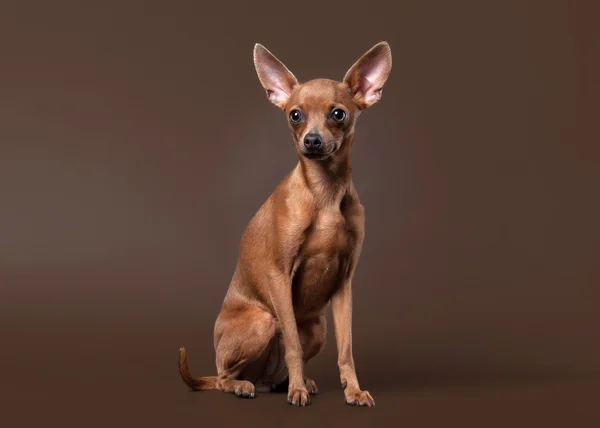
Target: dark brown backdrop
column 136, row 143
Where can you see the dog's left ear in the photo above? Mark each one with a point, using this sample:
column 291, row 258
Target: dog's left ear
column 368, row 75
column 277, row 80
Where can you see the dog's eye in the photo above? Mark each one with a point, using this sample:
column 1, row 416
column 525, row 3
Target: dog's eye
column 338, row 115
column 295, row 116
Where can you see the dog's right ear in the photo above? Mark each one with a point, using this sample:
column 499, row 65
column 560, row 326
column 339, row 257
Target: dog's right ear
column 277, row 80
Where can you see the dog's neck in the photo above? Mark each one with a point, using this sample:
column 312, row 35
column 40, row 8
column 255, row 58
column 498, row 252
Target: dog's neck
column 330, row 179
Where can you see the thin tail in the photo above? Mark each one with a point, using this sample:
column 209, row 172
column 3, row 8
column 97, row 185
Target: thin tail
column 199, row 383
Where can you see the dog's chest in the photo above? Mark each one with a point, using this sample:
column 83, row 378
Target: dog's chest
column 323, row 260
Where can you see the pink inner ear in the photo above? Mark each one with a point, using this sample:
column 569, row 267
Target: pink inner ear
column 372, row 77
column 372, row 96
column 368, row 76
column 277, row 92
column 369, row 89
column 276, row 80
column 277, row 95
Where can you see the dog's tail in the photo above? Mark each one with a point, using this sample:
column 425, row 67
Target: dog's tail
column 199, row 383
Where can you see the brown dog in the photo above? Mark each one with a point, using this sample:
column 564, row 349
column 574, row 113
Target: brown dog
column 300, row 250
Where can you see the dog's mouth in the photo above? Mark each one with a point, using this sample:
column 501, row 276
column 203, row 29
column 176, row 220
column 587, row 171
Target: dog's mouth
column 318, row 156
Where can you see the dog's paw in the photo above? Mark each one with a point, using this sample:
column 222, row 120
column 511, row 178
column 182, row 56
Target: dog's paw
column 298, row 397
column 359, row 398
column 244, row 389
column 311, row 386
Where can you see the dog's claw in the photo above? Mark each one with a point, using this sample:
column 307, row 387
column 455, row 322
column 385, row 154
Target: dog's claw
column 244, row 389
column 360, row 398
column 311, row 386
column 299, row 397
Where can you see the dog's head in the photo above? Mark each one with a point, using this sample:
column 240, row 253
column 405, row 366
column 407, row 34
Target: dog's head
column 322, row 112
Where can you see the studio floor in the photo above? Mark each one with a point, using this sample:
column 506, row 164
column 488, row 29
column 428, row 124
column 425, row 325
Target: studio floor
column 95, row 375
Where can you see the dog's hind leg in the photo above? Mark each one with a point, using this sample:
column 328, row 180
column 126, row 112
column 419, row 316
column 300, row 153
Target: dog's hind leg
column 242, row 336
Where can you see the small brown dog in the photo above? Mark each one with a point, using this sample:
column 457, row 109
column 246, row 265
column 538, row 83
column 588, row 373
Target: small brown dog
column 300, row 250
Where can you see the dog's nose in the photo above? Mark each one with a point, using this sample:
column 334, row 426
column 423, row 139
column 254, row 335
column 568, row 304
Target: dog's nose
column 312, row 141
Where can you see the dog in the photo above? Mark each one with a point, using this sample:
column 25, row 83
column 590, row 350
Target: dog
column 299, row 252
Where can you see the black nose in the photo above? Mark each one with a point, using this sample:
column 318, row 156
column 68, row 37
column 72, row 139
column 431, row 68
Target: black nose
column 312, row 142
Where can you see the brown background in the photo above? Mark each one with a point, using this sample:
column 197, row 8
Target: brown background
column 136, row 143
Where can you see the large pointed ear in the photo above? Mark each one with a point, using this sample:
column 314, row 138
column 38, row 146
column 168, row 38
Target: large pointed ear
column 368, row 75
column 277, row 80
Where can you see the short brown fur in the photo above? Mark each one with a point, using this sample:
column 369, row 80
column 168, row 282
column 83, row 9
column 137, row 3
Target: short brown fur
column 300, row 250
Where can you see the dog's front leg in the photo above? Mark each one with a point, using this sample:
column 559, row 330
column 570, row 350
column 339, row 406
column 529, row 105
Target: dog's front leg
column 280, row 288
column 341, row 305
